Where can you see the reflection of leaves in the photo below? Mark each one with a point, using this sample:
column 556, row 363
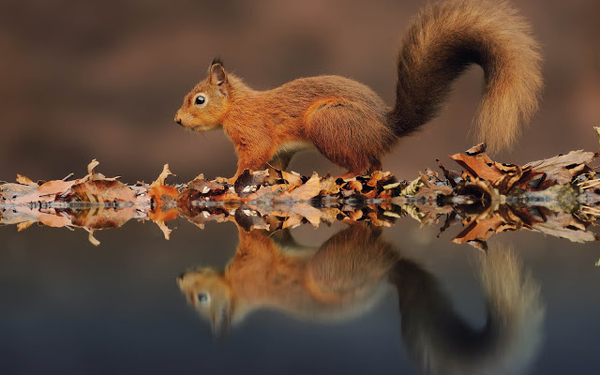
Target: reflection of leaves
column 99, row 192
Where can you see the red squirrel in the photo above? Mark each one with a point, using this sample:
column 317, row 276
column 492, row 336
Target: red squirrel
column 350, row 124
column 351, row 273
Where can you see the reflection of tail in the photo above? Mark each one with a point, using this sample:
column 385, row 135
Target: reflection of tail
column 441, row 342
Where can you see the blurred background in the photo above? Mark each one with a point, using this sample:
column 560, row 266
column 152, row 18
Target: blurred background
column 82, row 80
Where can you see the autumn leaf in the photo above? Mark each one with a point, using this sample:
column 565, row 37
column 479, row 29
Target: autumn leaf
column 310, row 189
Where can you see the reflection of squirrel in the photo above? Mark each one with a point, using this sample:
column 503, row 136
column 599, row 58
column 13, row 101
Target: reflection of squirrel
column 350, row 124
column 442, row 342
column 342, row 279
column 348, row 275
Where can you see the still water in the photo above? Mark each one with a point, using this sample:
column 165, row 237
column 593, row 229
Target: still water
column 349, row 299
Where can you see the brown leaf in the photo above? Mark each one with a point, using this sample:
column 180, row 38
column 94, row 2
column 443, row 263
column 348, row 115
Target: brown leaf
column 24, row 225
column 293, row 178
column 49, row 190
column 479, row 230
column 310, row 213
column 100, row 218
column 164, row 229
column 309, row 190
column 292, row 221
column 478, row 166
column 354, row 185
column 162, row 194
column 329, row 186
column 25, row 180
column 477, row 149
column 556, row 168
column 162, row 176
column 100, row 191
column 157, row 214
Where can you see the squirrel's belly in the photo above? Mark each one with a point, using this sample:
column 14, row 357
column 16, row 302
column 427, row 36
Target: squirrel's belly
column 295, row 146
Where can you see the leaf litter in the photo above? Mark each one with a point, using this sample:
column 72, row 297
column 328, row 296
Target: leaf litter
column 558, row 196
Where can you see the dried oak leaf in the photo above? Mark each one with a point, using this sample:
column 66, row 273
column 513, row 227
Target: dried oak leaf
column 329, row 215
column 160, row 180
column 477, row 149
column 249, row 219
column 310, row 213
column 269, row 193
column 562, row 168
column 207, row 188
column 162, row 195
column 479, row 230
column 292, row 178
column 164, row 229
column 355, row 215
column 354, row 185
column 25, row 180
column 100, row 218
column 382, row 221
column 199, row 217
column 25, row 214
column 370, row 194
column 376, row 177
column 93, row 175
column 91, row 237
column 53, row 188
column 158, row 215
column 100, row 191
column 18, row 193
column 249, row 181
column 479, row 165
column 565, row 226
column 329, row 186
column 24, row 225
column 292, row 221
column 309, row 190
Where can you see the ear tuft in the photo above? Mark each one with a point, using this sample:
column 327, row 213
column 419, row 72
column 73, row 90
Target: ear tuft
column 217, row 60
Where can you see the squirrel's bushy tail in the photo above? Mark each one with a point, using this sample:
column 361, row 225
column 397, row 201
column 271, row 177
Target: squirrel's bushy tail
column 443, row 40
column 443, row 342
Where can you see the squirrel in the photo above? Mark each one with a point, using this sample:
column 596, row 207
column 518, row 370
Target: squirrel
column 350, row 124
column 352, row 272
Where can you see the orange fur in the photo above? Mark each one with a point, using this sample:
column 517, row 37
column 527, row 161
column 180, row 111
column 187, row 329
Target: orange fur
column 342, row 278
column 350, row 273
column 350, row 124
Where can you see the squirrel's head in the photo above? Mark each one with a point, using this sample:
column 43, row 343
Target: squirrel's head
column 209, row 293
column 204, row 107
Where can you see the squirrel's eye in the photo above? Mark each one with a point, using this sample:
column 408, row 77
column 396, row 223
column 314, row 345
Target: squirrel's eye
column 200, row 99
column 202, row 297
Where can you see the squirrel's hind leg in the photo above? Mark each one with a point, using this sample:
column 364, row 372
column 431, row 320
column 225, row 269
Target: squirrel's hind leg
column 349, row 134
column 281, row 160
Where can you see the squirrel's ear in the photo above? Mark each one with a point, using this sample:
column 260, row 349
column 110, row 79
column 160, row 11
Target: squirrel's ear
column 217, row 74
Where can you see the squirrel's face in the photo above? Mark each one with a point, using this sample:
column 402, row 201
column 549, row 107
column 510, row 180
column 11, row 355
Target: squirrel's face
column 209, row 293
column 204, row 107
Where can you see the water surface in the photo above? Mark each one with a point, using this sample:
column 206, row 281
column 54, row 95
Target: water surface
column 72, row 308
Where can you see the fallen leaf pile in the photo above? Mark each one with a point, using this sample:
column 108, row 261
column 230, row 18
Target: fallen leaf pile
column 559, row 196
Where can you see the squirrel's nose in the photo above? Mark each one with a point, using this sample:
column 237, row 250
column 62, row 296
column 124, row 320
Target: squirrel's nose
column 178, row 120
